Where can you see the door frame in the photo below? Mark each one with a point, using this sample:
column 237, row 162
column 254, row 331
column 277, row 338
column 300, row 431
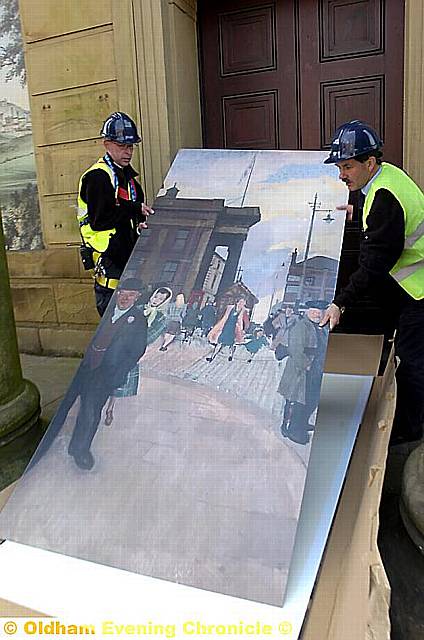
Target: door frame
column 413, row 92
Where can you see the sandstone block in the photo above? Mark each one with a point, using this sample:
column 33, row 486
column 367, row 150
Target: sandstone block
column 55, row 263
column 76, row 303
column 28, row 340
column 65, row 342
column 33, row 303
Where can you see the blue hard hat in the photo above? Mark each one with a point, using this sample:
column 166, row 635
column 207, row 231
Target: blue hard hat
column 353, row 139
column 119, row 127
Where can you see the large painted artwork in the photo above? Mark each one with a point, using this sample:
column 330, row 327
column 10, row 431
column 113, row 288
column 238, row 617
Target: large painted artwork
column 182, row 446
column 18, row 183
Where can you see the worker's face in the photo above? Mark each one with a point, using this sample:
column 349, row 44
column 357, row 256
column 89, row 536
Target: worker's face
column 121, row 154
column 126, row 298
column 314, row 315
column 157, row 298
column 357, row 174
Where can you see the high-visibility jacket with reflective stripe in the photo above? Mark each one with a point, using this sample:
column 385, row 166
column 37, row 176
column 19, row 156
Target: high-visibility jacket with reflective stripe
column 409, row 269
column 98, row 240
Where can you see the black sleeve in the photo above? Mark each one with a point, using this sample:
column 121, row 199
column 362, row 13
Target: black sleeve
column 133, row 209
column 102, row 211
column 380, row 249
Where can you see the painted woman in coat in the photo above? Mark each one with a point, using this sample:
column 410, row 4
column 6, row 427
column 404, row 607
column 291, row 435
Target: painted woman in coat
column 230, row 330
column 174, row 315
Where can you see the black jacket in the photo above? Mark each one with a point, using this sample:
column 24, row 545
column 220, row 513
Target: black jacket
column 381, row 246
column 104, row 213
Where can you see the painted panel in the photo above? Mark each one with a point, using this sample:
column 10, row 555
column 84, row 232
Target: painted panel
column 72, row 61
column 351, row 28
column 18, row 181
column 250, row 121
column 247, row 41
column 71, row 115
column 46, row 18
column 186, row 455
column 362, row 96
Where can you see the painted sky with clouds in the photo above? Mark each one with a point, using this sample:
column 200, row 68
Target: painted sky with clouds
column 283, row 184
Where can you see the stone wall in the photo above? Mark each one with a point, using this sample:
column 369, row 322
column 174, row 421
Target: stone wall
column 53, row 302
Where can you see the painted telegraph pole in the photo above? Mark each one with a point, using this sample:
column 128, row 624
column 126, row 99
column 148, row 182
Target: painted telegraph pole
column 315, row 206
column 19, row 398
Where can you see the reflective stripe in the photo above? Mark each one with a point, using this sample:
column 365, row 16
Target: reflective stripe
column 405, row 272
column 109, row 283
column 415, row 236
column 98, row 240
column 409, row 268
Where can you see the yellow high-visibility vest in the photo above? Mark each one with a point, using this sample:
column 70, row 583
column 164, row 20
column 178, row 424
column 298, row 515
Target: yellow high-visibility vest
column 97, row 240
column 409, row 269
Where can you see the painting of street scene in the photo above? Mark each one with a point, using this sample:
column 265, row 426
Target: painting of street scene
column 181, row 448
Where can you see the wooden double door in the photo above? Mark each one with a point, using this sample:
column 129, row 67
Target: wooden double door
column 283, row 74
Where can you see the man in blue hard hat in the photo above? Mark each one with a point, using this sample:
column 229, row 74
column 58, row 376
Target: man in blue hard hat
column 111, row 208
column 391, row 260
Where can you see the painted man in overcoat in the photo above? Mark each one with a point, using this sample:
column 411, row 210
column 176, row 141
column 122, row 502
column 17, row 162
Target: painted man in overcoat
column 300, row 383
column 118, row 344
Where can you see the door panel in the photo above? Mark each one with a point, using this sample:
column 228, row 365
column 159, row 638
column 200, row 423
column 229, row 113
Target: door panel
column 339, row 99
column 249, row 87
column 349, row 29
column 250, row 121
column 255, row 26
column 351, row 65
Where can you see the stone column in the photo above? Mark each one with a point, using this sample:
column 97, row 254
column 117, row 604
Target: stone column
column 413, row 123
column 206, row 263
column 235, row 246
column 19, row 398
column 411, row 502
